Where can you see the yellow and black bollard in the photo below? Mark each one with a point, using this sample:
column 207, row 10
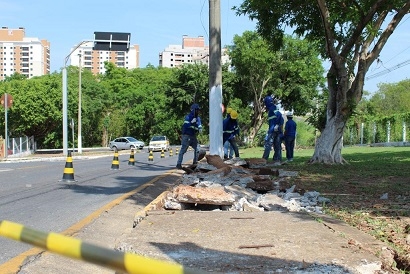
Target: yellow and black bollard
column 170, row 152
column 115, row 162
column 68, row 175
column 176, row 151
column 131, row 161
column 162, row 153
column 151, row 156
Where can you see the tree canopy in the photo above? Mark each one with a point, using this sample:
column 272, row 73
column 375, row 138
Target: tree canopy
column 391, row 99
column 351, row 34
column 293, row 74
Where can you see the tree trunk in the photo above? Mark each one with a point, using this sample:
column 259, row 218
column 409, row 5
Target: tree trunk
column 252, row 134
column 253, row 128
column 345, row 85
column 328, row 149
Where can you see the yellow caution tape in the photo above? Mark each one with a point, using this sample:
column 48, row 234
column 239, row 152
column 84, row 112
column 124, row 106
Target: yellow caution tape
column 74, row 248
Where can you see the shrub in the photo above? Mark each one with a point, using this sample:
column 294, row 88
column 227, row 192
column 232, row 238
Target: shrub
column 305, row 136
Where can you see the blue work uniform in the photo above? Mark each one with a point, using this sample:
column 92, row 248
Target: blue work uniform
column 230, row 130
column 192, row 125
column 290, row 136
column 274, row 135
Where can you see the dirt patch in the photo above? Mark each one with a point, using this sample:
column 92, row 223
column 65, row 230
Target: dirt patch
column 385, row 218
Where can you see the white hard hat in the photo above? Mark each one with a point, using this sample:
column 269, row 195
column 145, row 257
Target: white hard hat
column 289, row 114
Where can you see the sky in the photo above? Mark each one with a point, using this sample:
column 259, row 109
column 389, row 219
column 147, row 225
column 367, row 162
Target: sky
column 155, row 24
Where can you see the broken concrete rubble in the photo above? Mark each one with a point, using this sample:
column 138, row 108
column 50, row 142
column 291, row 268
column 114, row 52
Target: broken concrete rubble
column 209, row 196
column 239, row 185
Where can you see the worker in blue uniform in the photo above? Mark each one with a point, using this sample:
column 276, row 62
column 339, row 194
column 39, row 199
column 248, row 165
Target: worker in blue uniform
column 190, row 129
column 230, row 131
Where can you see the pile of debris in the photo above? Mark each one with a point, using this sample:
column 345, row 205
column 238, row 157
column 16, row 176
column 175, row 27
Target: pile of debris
column 241, row 185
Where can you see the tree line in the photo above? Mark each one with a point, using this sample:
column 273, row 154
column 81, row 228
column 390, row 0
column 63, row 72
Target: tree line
column 384, row 113
column 154, row 100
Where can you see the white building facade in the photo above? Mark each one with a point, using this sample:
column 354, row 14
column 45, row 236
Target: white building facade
column 192, row 50
column 94, row 60
column 19, row 54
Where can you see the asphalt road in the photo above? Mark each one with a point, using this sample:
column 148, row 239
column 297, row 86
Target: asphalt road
column 32, row 193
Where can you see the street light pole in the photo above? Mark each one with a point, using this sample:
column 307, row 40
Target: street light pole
column 65, row 134
column 80, row 145
column 65, row 130
column 111, row 41
column 6, row 134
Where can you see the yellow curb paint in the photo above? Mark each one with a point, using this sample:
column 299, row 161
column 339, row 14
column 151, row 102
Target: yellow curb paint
column 156, row 200
column 13, row 266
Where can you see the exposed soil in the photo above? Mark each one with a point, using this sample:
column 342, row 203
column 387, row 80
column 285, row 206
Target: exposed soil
column 385, row 219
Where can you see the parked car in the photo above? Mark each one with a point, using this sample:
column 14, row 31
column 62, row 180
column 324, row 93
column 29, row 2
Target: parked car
column 158, row 143
column 126, row 143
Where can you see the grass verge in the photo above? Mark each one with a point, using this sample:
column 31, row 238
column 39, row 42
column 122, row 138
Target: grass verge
column 371, row 192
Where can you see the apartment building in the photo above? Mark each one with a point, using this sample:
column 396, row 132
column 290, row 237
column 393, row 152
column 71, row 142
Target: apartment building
column 192, row 50
column 94, row 59
column 18, row 53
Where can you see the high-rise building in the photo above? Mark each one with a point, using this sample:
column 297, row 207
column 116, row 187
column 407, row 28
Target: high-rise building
column 27, row 56
column 94, row 59
column 192, row 50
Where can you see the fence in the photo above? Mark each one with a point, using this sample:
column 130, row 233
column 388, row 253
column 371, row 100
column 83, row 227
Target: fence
column 388, row 131
column 20, row 146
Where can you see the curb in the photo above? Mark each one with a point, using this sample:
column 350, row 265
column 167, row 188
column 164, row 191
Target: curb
column 155, row 204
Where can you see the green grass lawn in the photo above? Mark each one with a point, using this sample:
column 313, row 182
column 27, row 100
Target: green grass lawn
column 363, row 162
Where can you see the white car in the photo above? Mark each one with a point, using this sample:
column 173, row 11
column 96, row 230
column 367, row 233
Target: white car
column 158, row 143
column 126, row 143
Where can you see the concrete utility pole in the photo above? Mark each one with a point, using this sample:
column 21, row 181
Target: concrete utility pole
column 215, row 79
column 79, row 141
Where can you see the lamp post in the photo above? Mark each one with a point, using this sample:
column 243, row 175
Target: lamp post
column 65, row 130
column 80, row 145
column 111, row 41
column 65, row 134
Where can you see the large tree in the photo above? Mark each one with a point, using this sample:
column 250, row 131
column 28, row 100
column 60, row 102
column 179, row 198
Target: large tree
column 350, row 33
column 293, row 74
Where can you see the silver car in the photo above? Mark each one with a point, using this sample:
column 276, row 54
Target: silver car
column 126, row 143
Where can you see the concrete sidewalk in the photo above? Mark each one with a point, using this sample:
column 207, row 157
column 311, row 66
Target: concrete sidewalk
column 220, row 241
column 252, row 242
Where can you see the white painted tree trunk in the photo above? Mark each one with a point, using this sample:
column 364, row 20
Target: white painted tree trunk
column 328, row 149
